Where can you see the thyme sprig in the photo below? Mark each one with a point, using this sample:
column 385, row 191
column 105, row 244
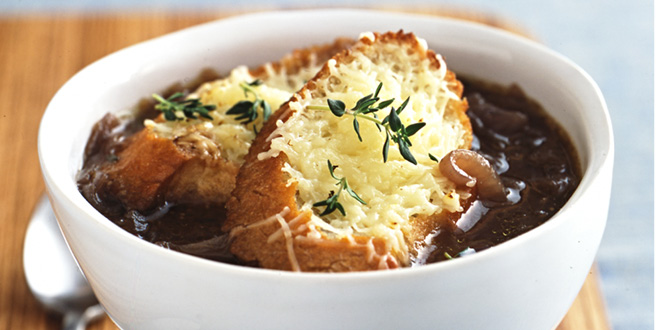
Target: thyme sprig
column 189, row 107
column 332, row 203
column 391, row 124
column 246, row 110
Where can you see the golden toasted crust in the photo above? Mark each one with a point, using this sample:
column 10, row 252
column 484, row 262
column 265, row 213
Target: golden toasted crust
column 263, row 208
column 151, row 170
column 300, row 59
column 137, row 178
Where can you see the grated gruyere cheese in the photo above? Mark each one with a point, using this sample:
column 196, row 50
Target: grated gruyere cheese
column 395, row 190
column 224, row 136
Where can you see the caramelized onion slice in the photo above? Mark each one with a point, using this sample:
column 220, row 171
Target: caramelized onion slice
column 496, row 119
column 469, row 168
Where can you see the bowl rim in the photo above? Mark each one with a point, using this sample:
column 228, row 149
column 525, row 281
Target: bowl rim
column 55, row 180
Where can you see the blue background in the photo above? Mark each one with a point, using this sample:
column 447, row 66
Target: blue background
column 612, row 40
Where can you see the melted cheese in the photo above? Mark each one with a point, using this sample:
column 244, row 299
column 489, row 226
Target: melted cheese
column 224, row 136
column 394, row 191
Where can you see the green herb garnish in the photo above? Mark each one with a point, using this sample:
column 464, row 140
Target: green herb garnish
column 332, row 203
column 189, row 107
column 433, row 158
column 394, row 128
column 247, row 111
column 464, row 252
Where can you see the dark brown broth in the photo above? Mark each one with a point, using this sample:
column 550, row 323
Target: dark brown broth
column 533, row 156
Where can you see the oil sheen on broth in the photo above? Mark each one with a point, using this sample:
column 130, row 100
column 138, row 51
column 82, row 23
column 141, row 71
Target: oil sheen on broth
column 531, row 153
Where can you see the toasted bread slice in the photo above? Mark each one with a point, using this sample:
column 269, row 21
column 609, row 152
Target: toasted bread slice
column 195, row 161
column 271, row 216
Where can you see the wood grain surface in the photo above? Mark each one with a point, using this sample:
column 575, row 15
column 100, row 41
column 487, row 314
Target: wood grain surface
column 38, row 53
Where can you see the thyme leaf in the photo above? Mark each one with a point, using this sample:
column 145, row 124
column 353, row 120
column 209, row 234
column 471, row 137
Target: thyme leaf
column 386, row 148
column 332, row 202
column 191, row 108
column 414, row 128
column 337, row 107
column 248, row 111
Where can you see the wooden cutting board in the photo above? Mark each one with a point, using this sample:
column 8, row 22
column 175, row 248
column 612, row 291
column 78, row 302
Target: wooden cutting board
column 38, row 53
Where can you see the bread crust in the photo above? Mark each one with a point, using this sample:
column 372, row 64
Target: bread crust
column 262, row 205
column 303, row 58
column 152, row 170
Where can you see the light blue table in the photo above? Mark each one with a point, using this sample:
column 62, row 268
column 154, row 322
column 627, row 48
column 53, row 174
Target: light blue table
column 613, row 41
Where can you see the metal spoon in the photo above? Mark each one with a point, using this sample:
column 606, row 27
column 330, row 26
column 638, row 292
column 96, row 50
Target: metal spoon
column 52, row 274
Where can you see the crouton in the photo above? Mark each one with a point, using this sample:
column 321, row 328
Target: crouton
column 301, row 154
column 195, row 161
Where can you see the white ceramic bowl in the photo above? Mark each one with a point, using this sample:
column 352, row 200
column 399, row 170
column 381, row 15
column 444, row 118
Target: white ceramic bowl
column 526, row 283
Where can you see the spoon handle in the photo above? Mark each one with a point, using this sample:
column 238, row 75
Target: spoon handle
column 79, row 321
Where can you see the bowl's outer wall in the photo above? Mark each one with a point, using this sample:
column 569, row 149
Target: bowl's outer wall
column 527, row 283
